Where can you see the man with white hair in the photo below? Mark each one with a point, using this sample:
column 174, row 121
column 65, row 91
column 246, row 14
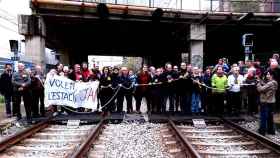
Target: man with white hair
column 234, row 82
column 21, row 82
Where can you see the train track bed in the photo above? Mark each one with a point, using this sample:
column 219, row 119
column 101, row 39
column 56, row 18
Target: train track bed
column 130, row 140
column 51, row 141
column 221, row 140
column 253, row 125
column 10, row 126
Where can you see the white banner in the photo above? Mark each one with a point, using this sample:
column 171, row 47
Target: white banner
column 63, row 91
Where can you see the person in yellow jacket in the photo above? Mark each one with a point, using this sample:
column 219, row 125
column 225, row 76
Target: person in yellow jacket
column 219, row 84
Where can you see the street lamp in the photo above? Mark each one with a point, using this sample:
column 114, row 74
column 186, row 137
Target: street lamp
column 248, row 43
column 14, row 45
column 14, row 48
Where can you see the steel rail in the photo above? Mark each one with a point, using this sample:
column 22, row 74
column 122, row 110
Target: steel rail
column 190, row 151
column 13, row 139
column 83, row 149
column 255, row 136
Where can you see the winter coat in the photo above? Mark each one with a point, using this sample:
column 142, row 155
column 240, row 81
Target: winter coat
column 6, row 86
column 267, row 91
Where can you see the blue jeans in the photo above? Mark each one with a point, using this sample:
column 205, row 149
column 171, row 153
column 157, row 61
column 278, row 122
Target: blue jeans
column 196, row 103
column 266, row 116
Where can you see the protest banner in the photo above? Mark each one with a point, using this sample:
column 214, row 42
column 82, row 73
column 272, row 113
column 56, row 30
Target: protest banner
column 63, row 91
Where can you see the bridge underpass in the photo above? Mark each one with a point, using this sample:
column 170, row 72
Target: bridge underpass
column 76, row 30
column 226, row 42
column 118, row 38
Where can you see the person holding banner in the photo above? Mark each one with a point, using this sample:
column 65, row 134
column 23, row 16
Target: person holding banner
column 59, row 68
column 85, row 72
column 21, row 82
column 76, row 75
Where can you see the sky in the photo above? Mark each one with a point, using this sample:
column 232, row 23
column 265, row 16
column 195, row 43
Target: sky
column 9, row 9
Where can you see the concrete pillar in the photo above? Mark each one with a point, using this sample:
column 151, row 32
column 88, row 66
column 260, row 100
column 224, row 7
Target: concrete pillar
column 35, row 49
column 64, row 56
column 34, row 30
column 197, row 37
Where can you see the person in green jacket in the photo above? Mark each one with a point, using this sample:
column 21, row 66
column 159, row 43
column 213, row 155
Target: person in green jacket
column 219, row 83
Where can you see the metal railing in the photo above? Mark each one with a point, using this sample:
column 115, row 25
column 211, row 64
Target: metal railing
column 268, row 6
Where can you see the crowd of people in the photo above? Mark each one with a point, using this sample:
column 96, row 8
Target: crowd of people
column 221, row 89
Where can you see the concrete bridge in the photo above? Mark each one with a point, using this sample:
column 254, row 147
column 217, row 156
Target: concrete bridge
column 78, row 29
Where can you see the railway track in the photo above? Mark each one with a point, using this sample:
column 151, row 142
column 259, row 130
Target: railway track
column 45, row 139
column 9, row 127
column 170, row 142
column 221, row 138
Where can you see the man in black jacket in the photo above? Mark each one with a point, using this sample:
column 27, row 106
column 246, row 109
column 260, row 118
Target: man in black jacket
column 125, row 91
column 168, row 91
column 185, row 85
column 6, row 87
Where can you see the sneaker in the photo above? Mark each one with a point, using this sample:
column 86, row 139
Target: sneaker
column 18, row 124
column 55, row 113
column 64, row 113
